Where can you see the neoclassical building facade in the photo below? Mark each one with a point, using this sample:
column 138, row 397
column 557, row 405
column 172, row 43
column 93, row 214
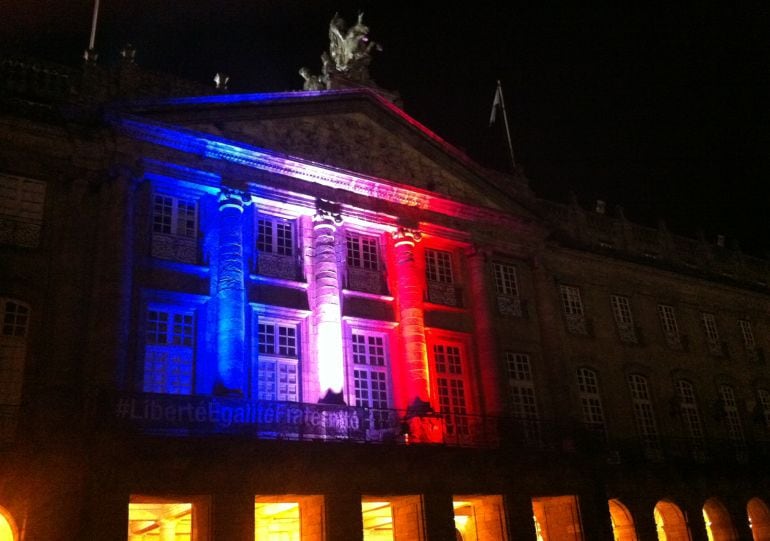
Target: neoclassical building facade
column 305, row 316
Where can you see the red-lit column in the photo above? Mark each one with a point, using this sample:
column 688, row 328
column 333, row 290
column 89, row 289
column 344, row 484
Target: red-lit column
column 326, row 332
column 410, row 286
column 231, row 296
column 486, row 351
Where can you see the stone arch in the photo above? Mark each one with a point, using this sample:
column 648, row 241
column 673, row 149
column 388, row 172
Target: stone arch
column 670, row 522
column 622, row 521
column 719, row 525
column 8, row 530
column 759, row 519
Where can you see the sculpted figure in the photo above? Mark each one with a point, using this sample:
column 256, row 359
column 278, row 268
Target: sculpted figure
column 312, row 82
column 349, row 55
column 351, row 48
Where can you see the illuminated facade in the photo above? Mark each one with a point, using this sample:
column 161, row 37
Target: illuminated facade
column 304, row 316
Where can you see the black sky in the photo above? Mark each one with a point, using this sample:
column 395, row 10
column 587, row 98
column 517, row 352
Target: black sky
column 662, row 109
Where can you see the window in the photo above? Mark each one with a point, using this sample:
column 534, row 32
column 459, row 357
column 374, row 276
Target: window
column 21, row 210
column 522, row 388
column 747, row 334
column 438, row 270
column 277, row 248
column 572, row 305
column 277, row 363
column 764, row 404
column 169, row 351
column 13, row 352
column 438, row 266
column 370, row 375
column 363, row 264
column 591, row 401
column 174, row 228
column 712, row 333
column 362, row 252
column 507, row 287
column 275, row 236
column 450, row 382
column 151, row 517
column 624, row 320
column 644, row 414
column 505, row 280
column 667, row 318
column 690, row 415
column 732, row 418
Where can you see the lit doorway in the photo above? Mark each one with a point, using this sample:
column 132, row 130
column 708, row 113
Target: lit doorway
column 622, row 522
column 8, row 531
column 160, row 519
column 670, row 522
column 557, row 518
column 719, row 526
column 759, row 519
column 288, row 518
column 479, row 518
column 392, row 518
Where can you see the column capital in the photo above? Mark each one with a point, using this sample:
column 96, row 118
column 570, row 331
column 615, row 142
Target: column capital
column 233, row 199
column 407, row 235
column 483, row 252
column 327, row 211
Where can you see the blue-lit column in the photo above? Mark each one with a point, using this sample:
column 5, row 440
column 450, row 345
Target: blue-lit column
column 231, row 296
column 326, row 332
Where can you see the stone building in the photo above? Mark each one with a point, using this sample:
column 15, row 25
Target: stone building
column 305, row 316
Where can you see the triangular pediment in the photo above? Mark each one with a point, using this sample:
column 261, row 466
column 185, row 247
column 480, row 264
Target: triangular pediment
column 354, row 131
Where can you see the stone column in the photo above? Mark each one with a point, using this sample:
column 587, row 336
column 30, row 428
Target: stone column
column 486, row 351
column 409, row 285
column 521, row 524
column 326, row 305
column 232, row 516
column 343, row 518
column 231, row 296
column 439, row 516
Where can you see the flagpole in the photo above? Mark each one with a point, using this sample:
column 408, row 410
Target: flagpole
column 90, row 53
column 505, row 121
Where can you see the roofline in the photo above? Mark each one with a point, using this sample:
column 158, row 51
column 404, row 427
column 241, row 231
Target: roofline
column 156, row 104
column 220, row 148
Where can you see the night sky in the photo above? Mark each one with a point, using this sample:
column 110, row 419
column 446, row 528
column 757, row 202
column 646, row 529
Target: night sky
column 662, row 109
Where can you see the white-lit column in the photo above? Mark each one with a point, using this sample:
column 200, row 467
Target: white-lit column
column 231, row 296
column 326, row 331
column 410, row 285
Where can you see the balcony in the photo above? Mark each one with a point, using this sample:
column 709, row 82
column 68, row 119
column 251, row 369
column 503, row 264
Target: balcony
column 182, row 416
column 197, row 415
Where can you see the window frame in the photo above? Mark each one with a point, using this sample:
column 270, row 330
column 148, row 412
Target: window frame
column 522, row 393
column 452, row 385
column 645, row 417
column 171, row 354
column 439, row 266
column 287, row 362
column 277, row 235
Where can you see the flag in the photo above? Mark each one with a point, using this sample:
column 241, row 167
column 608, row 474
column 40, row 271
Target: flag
column 495, row 104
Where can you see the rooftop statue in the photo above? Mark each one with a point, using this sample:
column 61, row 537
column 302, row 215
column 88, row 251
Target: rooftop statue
column 351, row 49
column 348, row 57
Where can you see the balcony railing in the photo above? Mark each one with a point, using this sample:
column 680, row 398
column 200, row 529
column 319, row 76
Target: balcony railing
column 196, row 416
